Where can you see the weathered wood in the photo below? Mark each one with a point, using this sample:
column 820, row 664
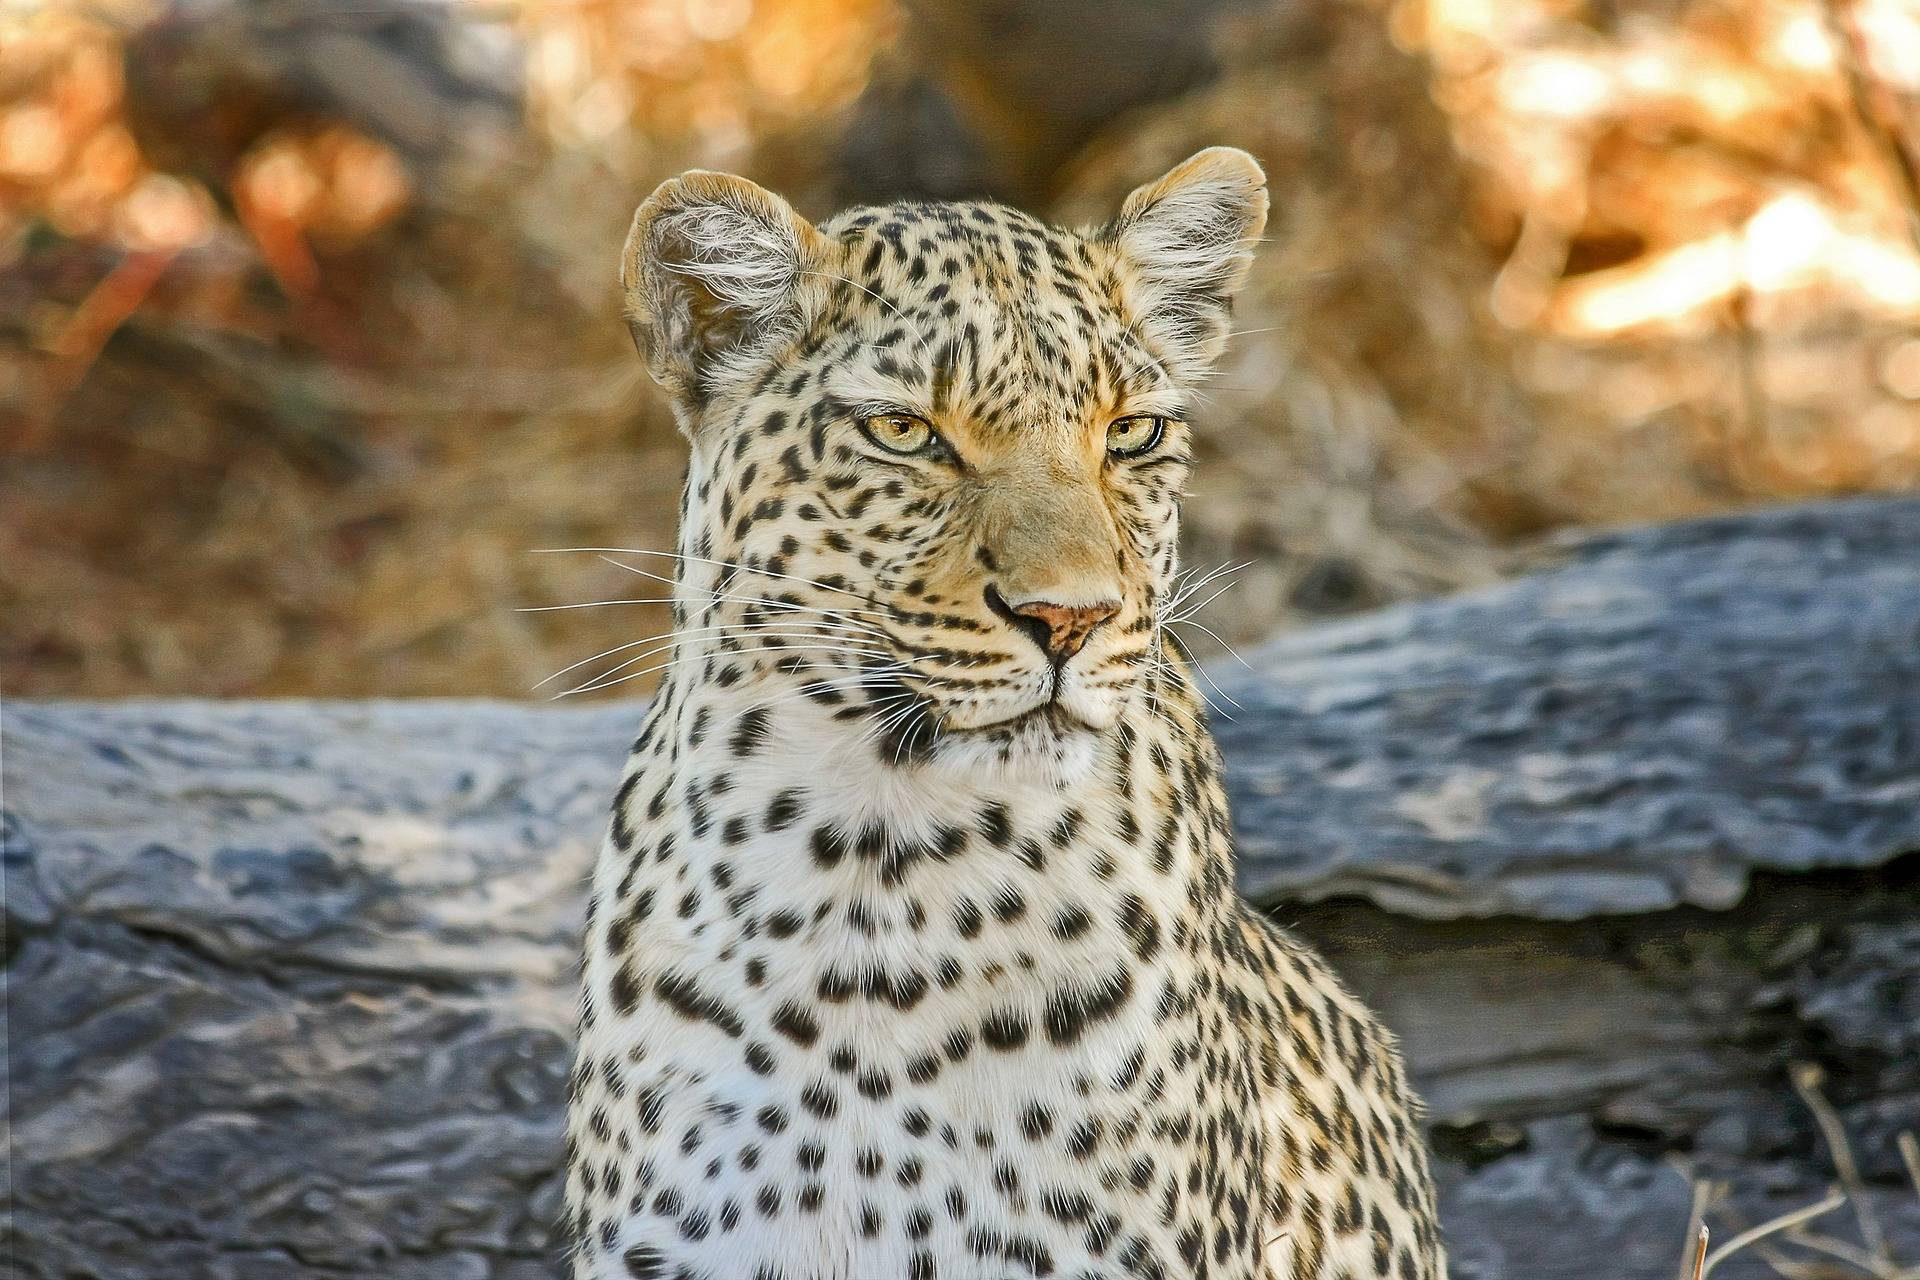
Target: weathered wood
column 1665, row 713
column 290, row 984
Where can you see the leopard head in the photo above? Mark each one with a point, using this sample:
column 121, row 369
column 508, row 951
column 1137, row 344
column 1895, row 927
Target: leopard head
column 938, row 449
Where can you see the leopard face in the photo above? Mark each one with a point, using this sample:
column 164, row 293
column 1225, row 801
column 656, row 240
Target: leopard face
column 938, row 449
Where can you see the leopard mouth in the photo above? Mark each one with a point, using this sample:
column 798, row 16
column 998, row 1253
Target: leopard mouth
column 1051, row 714
column 911, row 736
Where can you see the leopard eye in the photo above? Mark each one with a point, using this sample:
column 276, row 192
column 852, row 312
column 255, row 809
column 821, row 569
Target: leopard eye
column 898, row 432
column 1132, row 436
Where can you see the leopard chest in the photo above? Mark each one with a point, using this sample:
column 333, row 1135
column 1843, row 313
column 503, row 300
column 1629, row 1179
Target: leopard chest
column 873, row 1049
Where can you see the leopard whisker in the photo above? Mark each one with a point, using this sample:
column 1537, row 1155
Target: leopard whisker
column 905, row 736
column 602, row 682
column 755, row 601
column 879, row 724
column 1187, row 590
column 1188, row 613
column 1213, row 684
column 714, row 598
column 721, row 595
column 777, row 646
column 669, row 639
column 680, row 555
column 1187, row 622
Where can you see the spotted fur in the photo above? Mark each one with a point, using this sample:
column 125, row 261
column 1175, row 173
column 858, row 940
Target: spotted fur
column 914, row 951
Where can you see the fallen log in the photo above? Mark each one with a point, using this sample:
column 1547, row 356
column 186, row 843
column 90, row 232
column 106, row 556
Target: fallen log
column 1615, row 845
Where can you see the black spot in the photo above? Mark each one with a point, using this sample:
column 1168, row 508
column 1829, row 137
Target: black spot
column 623, row 835
column 996, row 825
column 828, row 847
column 690, row 1002
column 796, row 1024
column 625, row 989
column 750, row 732
column 1004, row 1029
column 644, row 1262
column 1071, row 922
column 784, row 809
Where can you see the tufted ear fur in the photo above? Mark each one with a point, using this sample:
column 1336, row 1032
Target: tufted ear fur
column 1188, row 239
column 712, row 274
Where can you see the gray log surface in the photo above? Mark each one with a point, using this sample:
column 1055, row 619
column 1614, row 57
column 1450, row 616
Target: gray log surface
column 1612, row 845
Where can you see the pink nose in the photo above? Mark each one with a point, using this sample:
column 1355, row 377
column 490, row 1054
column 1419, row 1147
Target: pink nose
column 1063, row 629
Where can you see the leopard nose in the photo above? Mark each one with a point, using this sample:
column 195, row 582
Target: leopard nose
column 1061, row 630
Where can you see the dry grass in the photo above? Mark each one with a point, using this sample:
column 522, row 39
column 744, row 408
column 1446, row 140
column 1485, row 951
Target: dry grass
column 1789, row 1244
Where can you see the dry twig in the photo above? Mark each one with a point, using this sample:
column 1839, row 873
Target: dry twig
column 1785, row 1222
column 1807, row 1079
column 1910, row 1155
column 1873, row 1258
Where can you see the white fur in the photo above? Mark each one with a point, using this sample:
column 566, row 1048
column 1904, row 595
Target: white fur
column 1190, row 239
column 713, row 271
column 698, row 1073
column 747, row 263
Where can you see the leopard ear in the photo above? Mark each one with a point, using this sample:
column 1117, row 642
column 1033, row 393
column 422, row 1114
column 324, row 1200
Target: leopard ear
column 1187, row 239
column 712, row 275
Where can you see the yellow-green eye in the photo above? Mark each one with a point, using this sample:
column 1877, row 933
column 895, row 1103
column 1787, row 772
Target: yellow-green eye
column 898, row 432
column 1131, row 437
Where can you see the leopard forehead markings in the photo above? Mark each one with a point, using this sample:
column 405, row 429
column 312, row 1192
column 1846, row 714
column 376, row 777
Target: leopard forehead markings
column 913, row 951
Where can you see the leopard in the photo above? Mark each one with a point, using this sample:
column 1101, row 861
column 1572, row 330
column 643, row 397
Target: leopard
column 914, row 949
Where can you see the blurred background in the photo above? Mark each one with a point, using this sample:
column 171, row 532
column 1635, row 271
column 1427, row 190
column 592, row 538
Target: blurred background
column 309, row 333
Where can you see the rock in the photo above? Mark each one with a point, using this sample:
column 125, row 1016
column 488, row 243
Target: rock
column 1612, row 845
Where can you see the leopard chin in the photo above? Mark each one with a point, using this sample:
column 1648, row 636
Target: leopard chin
column 1045, row 745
